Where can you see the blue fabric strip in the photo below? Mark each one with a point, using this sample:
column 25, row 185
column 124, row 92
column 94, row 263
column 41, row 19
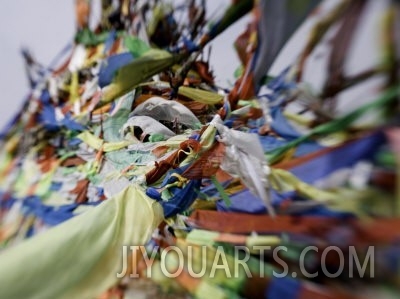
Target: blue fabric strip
column 346, row 156
column 110, row 41
column 182, row 199
column 243, row 202
column 281, row 125
column 111, row 66
column 51, row 215
column 48, row 118
column 283, row 288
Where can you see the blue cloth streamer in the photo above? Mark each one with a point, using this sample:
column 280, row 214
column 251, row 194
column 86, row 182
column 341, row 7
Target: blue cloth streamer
column 346, row 156
column 283, row 288
column 111, row 66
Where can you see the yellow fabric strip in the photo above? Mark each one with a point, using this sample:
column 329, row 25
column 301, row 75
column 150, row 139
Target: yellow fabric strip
column 283, row 181
column 198, row 95
column 81, row 257
column 97, row 143
column 74, row 88
column 361, row 203
column 91, row 140
column 201, row 96
column 206, row 290
column 130, row 76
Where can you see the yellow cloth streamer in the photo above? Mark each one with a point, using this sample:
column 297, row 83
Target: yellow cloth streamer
column 81, row 257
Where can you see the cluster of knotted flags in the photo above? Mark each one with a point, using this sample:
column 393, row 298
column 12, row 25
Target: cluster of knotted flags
column 126, row 139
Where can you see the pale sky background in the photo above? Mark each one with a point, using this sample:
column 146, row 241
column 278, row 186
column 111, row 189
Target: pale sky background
column 46, row 26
